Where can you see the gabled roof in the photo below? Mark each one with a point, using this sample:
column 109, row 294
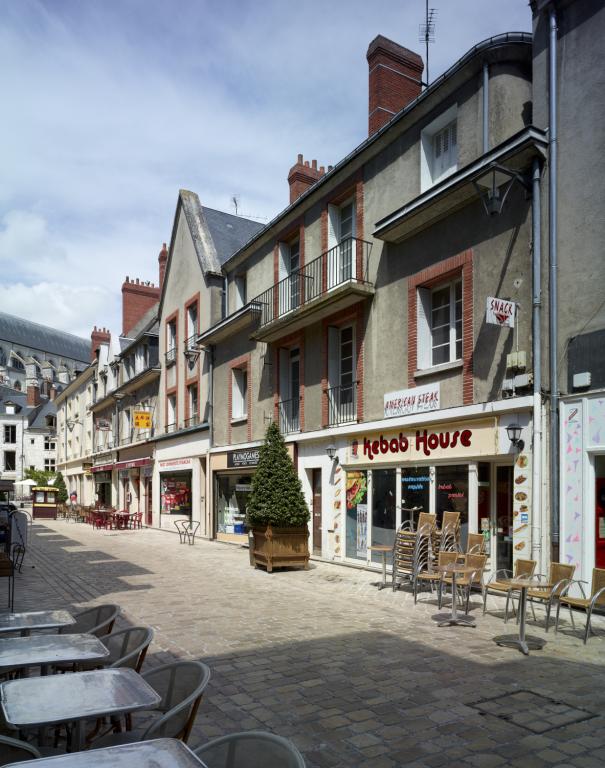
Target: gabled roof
column 16, row 330
column 39, row 414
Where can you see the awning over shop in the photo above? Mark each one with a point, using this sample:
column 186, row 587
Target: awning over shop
column 103, row 467
column 133, row 463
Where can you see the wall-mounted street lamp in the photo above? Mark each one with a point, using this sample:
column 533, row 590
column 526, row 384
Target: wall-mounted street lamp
column 331, row 451
column 493, row 187
column 71, row 423
column 514, row 435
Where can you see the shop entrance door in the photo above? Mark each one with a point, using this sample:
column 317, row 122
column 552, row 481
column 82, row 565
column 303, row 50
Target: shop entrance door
column 317, row 512
column 503, row 520
column 600, row 512
column 148, row 503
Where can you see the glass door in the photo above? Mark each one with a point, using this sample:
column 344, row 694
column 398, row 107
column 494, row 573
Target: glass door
column 384, row 509
column 503, row 518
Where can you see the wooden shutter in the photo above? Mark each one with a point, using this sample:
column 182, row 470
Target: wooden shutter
column 424, row 337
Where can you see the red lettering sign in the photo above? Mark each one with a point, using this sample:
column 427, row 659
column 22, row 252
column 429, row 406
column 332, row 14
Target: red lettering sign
column 426, row 442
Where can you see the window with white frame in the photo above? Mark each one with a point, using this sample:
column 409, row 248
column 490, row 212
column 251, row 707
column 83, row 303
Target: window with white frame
column 289, row 276
column 341, row 234
column 289, row 389
column 439, row 149
column 192, row 328
column 239, row 393
column 171, row 341
column 341, row 375
column 440, row 324
column 240, row 292
column 49, row 443
column 10, row 433
column 170, row 411
column 49, row 465
column 192, row 402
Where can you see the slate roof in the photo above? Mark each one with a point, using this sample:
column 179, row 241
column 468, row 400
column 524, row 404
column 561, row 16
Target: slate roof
column 36, row 417
column 47, row 408
column 17, row 331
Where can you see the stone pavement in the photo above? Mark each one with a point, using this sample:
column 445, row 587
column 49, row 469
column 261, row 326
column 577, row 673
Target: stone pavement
column 356, row 677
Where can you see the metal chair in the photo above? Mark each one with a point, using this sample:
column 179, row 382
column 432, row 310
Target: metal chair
column 524, row 569
column 187, row 530
column 475, row 544
column 97, row 621
column 181, row 686
column 588, row 604
column 254, row 749
column 16, row 751
column 435, row 576
column 467, row 582
column 127, row 648
column 559, row 576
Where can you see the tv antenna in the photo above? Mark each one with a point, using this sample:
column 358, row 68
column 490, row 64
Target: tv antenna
column 427, row 34
column 235, row 202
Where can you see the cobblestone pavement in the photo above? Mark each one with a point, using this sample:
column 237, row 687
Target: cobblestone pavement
column 355, row 676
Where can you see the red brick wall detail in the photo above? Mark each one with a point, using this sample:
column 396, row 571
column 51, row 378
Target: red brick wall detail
column 137, row 299
column 449, row 269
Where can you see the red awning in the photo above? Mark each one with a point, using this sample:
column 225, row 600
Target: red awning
column 102, row 468
column 133, row 463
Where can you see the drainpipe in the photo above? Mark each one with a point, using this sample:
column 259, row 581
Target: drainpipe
column 553, row 267
column 537, row 358
column 211, row 394
column 485, row 107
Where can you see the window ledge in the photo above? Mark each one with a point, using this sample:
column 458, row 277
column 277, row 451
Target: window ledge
column 437, row 369
column 239, row 419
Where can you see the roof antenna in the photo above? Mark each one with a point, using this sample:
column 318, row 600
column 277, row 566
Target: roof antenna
column 427, row 35
column 235, row 202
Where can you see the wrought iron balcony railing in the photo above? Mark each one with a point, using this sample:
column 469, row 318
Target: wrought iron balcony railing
column 289, row 415
column 192, row 421
column 344, row 263
column 342, row 404
column 171, row 427
column 170, row 356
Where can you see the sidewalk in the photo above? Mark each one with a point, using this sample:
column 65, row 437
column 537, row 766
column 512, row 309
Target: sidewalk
column 356, row 677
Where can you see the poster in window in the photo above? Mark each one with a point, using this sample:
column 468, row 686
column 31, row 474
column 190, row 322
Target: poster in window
column 357, row 514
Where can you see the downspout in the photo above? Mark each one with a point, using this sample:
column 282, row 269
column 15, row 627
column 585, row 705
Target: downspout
column 211, row 394
column 485, row 107
column 553, row 267
column 536, row 357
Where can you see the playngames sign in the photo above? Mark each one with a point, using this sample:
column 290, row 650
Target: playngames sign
column 407, row 401
column 244, row 458
column 424, row 444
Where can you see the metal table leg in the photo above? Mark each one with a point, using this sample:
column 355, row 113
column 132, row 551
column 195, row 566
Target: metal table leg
column 523, row 643
column 454, row 620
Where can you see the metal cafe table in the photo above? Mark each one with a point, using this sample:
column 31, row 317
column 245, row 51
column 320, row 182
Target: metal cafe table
column 157, row 753
column 44, row 650
column 523, row 643
column 34, row 620
column 453, row 618
column 36, row 702
column 384, row 549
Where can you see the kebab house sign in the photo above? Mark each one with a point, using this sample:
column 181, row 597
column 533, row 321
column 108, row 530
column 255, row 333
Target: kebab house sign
column 420, row 444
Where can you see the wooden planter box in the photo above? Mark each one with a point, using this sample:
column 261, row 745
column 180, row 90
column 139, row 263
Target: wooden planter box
column 278, row 547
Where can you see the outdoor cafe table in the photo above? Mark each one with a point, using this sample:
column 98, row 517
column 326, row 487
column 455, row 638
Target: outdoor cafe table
column 157, row 753
column 384, row 549
column 453, row 618
column 36, row 702
column 523, row 643
column 44, row 650
column 34, row 620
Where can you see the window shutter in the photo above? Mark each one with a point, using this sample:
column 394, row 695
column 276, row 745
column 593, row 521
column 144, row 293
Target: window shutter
column 284, row 256
column 235, row 395
column 423, row 333
column 284, row 364
column 333, row 356
column 333, row 225
column 284, row 287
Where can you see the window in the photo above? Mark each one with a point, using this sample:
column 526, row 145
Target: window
column 439, row 149
column 192, row 328
column 289, row 390
column 440, row 324
column 10, row 433
column 289, row 276
column 170, row 413
column 341, row 375
column 239, row 396
column 171, row 342
column 240, row 292
column 49, row 465
column 192, row 401
column 49, row 443
column 341, row 254
column 10, row 461
column 15, row 362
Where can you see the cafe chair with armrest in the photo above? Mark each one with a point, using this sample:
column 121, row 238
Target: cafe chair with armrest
column 254, row 749
column 524, row 569
column 434, row 577
column 97, row 621
column 475, row 544
column 559, row 576
column 16, row 751
column 466, row 582
column 588, row 604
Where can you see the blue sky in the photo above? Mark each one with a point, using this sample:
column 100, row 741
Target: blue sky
column 110, row 107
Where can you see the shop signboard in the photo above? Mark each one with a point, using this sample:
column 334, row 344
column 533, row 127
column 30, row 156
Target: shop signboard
column 142, row 419
column 500, row 312
column 102, row 425
column 422, row 444
column 247, row 457
column 184, row 463
column 404, row 402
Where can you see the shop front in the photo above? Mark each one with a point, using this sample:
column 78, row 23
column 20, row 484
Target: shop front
column 134, row 468
column 232, row 473
column 104, row 493
column 582, row 534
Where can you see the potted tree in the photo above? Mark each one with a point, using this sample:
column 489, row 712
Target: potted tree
column 277, row 512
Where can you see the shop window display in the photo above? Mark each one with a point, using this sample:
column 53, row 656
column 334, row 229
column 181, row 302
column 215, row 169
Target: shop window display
column 232, row 501
column 452, row 495
column 415, row 492
column 384, row 509
column 357, row 515
column 176, row 494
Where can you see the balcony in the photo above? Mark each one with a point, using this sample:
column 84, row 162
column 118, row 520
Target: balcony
column 342, row 404
column 170, row 356
column 334, row 281
column 173, row 427
column 192, row 421
column 289, row 415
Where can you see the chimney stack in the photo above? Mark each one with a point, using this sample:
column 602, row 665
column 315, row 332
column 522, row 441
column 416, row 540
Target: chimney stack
column 32, row 382
column 162, row 259
column 52, row 392
column 395, row 79
column 137, row 299
column 97, row 337
column 302, row 176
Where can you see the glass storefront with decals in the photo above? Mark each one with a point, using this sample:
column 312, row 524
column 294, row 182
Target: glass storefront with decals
column 232, row 486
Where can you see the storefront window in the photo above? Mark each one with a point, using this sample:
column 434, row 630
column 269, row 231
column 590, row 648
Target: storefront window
column 176, row 493
column 103, row 489
column 233, row 493
column 484, row 502
column 383, row 509
column 415, row 492
column 357, row 515
column 452, row 495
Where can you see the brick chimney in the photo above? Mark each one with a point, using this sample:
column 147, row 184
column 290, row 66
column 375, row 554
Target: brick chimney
column 52, row 393
column 137, row 298
column 162, row 259
column 395, row 79
column 97, row 337
column 302, row 176
column 32, row 382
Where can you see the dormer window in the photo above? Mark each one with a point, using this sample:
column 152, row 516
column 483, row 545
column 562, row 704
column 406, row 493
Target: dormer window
column 439, row 149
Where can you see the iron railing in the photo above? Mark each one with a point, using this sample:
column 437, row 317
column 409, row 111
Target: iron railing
column 173, row 427
column 345, row 262
column 170, row 356
column 289, row 415
column 342, row 404
column 192, row 421
column 190, row 343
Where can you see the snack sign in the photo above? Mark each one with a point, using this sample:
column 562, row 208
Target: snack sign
column 500, row 312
